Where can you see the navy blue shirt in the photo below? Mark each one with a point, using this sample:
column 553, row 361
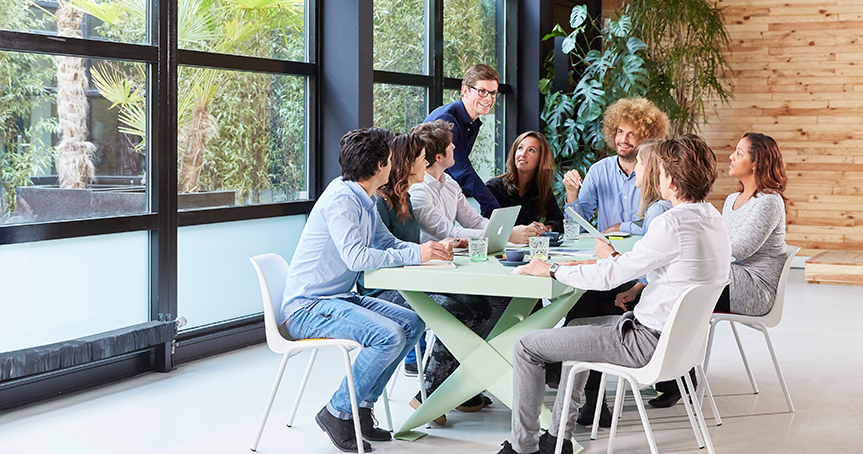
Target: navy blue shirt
column 464, row 132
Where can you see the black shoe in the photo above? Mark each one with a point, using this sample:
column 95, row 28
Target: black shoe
column 367, row 427
column 585, row 413
column 507, row 449
column 486, row 401
column 341, row 431
column 665, row 400
column 411, row 370
column 547, row 443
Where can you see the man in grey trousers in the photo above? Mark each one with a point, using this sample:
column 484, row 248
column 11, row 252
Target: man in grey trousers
column 686, row 245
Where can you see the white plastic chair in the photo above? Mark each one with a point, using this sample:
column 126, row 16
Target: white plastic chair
column 760, row 323
column 681, row 347
column 272, row 274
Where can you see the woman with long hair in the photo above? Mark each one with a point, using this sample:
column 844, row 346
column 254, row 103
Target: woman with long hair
column 755, row 216
column 408, row 164
column 527, row 182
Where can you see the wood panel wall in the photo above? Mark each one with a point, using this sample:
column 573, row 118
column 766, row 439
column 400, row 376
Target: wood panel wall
column 798, row 74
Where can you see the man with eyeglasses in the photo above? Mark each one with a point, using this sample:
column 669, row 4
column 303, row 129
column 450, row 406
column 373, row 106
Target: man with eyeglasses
column 478, row 94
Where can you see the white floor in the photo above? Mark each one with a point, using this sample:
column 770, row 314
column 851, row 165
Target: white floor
column 214, row 405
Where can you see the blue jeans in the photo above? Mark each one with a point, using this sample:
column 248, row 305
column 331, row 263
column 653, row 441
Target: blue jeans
column 385, row 330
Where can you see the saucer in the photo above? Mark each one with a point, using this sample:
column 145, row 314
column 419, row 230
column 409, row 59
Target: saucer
column 510, row 263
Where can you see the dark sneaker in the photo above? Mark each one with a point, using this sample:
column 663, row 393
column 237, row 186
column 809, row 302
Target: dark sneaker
column 411, row 370
column 507, row 449
column 367, row 426
column 473, row 404
column 486, row 400
column 340, row 431
column 547, row 444
column 585, row 413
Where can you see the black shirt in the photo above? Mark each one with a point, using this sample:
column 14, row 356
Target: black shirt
column 529, row 209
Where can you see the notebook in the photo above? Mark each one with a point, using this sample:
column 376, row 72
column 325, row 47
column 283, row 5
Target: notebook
column 591, row 230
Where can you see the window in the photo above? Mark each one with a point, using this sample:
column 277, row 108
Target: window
column 399, row 107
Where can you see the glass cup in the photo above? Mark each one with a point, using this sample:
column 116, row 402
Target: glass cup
column 477, row 248
column 571, row 229
column 538, row 247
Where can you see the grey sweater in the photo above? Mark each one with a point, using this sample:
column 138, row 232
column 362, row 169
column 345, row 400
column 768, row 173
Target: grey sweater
column 757, row 231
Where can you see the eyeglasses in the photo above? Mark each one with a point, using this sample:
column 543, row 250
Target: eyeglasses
column 483, row 93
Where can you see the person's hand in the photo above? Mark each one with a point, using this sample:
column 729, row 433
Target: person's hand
column 603, row 249
column 521, row 233
column 572, row 183
column 577, row 262
column 434, row 250
column 541, row 228
column 455, row 242
column 622, row 298
column 614, row 228
column 536, row 267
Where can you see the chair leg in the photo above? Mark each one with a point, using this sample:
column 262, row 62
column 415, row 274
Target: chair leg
column 695, row 427
column 302, row 387
column 763, row 329
column 270, row 401
column 615, row 416
column 643, row 413
column 355, row 407
column 705, row 387
column 600, row 395
column 430, row 340
column 386, row 398
column 700, row 416
column 713, row 324
column 564, row 411
column 745, row 361
column 421, row 375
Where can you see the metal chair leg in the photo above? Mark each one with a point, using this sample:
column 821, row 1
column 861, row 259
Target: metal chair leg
column 763, row 329
column 686, row 404
column 600, row 395
column 615, row 415
column 270, row 400
column 355, row 408
column 643, row 413
column 700, row 416
column 745, row 361
column 564, row 411
column 302, row 387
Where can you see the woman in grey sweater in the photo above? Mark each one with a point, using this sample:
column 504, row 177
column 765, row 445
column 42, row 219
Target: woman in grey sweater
column 755, row 217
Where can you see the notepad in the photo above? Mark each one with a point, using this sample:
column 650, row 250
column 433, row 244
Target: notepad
column 433, row 264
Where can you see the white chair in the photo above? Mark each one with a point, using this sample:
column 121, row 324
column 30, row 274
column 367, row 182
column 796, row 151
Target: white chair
column 760, row 323
column 681, row 347
column 272, row 273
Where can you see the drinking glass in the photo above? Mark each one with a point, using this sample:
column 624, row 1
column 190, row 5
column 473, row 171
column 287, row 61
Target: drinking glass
column 571, row 229
column 477, row 248
column 538, row 247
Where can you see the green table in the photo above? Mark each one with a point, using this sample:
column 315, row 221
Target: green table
column 485, row 364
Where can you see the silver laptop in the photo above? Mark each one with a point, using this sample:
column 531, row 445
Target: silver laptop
column 500, row 226
column 591, row 230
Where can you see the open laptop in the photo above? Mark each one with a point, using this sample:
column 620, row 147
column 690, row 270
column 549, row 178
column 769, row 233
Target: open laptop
column 499, row 228
column 591, row 230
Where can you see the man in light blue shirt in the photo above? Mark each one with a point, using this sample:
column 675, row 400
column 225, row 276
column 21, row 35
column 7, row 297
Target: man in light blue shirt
column 609, row 186
column 344, row 236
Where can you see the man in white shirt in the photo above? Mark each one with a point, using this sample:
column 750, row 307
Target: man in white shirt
column 686, row 245
column 438, row 202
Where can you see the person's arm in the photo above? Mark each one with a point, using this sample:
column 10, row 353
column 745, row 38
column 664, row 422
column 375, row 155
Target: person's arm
column 588, row 196
column 433, row 220
column 468, row 217
column 465, row 175
column 630, row 227
column 343, row 220
column 659, row 247
column 749, row 235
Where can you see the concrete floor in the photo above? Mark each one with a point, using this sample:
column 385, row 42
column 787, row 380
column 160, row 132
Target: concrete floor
column 214, row 405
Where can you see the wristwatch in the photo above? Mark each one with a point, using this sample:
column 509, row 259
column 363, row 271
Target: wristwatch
column 553, row 269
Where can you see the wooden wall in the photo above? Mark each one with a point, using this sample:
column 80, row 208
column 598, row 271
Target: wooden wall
column 798, row 75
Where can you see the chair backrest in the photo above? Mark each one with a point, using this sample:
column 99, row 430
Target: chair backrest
column 683, row 340
column 773, row 317
column 272, row 274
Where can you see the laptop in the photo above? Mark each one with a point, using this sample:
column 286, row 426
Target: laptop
column 591, row 230
column 500, row 226
column 498, row 230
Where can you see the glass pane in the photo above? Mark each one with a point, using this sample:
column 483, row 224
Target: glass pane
column 399, row 107
column 115, row 20
column 215, row 284
column 400, row 36
column 242, row 138
column 52, row 291
column 469, row 35
column 257, row 28
column 487, row 154
column 72, row 138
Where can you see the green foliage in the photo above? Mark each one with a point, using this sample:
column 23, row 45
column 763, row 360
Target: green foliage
column 614, row 70
column 469, row 34
column 686, row 57
column 399, row 36
column 25, row 145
